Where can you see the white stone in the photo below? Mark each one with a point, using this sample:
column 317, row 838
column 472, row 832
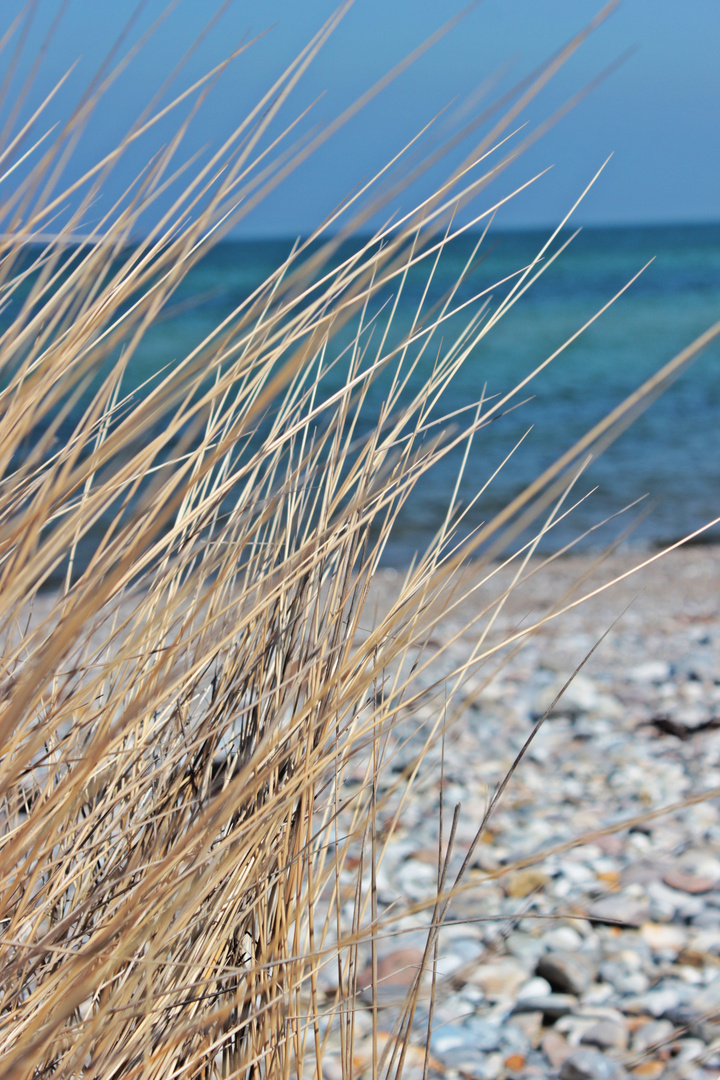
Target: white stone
column 650, row 671
column 663, row 937
column 535, row 987
column 500, row 979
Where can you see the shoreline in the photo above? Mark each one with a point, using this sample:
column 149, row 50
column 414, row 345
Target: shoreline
column 680, row 588
column 673, row 593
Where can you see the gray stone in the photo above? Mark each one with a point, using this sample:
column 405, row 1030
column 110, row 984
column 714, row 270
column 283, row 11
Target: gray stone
column 567, row 972
column 619, row 908
column 654, row 1033
column 515, row 1040
column 670, row 900
column 447, row 966
column 684, row 1016
column 688, row 1050
column 525, row 947
column 701, row 862
column 659, row 1000
column 588, row 1064
column 466, row 949
column 581, row 696
column 552, row 1006
column 457, row 1043
column 623, row 980
column 416, row 880
column 607, row 1035
column 483, row 1034
column 708, row 1000
column 708, row 919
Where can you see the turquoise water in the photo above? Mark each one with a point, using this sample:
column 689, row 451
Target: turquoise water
column 671, row 453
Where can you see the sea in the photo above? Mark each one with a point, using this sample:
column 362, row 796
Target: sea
column 665, row 466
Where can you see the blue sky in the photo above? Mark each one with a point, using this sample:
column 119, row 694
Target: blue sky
column 659, row 114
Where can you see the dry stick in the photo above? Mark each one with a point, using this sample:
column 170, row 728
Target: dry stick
column 439, row 911
column 433, row 986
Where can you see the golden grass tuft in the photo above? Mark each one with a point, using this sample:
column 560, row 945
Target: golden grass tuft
column 194, row 726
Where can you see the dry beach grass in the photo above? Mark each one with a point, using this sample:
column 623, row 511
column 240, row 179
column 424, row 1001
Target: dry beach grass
column 180, row 720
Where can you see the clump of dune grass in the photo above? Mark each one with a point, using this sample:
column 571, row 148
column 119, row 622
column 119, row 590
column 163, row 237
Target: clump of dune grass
column 180, row 717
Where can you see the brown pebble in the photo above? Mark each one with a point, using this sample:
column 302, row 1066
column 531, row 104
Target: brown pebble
column 633, row 1023
column 499, row 978
column 429, row 856
column 523, row 882
column 398, row 968
column 515, row 1062
column 414, row 1055
column 531, row 1024
column 610, row 844
column 556, row 1048
column 689, row 883
column 693, row 958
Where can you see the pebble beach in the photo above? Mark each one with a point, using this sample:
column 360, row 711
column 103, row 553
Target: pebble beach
column 584, row 943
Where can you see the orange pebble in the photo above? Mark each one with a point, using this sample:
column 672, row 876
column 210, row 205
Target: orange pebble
column 514, row 1062
column 611, row 878
column 649, row 1070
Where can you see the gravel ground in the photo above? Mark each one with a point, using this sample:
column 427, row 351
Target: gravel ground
column 599, row 956
column 569, row 952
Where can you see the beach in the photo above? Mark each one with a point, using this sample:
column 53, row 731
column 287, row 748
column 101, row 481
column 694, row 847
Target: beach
column 584, row 939
column 296, row 778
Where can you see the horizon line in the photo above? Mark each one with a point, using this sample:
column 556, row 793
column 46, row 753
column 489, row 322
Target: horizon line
column 82, row 239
